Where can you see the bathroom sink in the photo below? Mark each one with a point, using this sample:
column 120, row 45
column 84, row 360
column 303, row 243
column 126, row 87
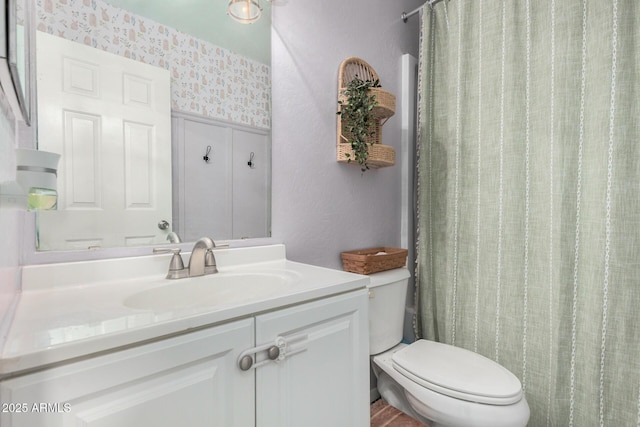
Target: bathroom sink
column 213, row 290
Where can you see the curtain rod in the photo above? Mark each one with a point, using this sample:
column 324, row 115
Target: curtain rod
column 405, row 16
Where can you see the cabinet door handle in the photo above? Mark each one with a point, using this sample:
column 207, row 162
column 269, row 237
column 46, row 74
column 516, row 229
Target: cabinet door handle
column 273, row 352
column 284, row 344
column 245, row 363
column 276, row 351
column 247, row 358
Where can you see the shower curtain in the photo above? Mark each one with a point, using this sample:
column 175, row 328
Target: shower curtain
column 529, row 198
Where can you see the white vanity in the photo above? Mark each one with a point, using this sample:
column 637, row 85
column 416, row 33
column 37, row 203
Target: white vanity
column 264, row 342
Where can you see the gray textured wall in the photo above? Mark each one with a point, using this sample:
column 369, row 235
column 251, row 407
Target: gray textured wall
column 321, row 207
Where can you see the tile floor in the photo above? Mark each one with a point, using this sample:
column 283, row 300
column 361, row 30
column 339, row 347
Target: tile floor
column 385, row 415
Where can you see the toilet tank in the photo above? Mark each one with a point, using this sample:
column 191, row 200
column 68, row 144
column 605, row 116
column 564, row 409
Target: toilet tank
column 387, row 299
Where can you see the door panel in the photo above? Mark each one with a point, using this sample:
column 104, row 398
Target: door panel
column 207, row 187
column 112, row 125
column 251, row 185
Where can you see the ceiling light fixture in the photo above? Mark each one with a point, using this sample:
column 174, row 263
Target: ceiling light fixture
column 244, row 11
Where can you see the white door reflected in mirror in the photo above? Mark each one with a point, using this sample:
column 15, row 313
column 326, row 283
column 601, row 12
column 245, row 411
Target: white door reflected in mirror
column 110, row 119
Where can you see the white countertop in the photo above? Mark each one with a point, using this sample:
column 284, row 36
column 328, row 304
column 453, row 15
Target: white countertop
column 71, row 310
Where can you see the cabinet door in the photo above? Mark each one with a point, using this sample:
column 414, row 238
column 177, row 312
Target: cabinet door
column 191, row 380
column 326, row 383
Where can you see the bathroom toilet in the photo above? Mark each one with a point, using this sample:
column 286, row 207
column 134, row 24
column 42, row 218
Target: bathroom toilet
column 438, row 384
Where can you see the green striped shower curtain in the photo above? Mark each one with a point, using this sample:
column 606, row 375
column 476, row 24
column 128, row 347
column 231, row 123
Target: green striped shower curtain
column 529, row 198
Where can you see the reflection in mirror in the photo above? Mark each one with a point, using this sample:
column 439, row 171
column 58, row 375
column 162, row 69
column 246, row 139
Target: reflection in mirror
column 19, row 55
column 14, row 66
column 132, row 102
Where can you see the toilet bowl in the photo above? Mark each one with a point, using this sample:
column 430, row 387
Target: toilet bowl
column 436, row 383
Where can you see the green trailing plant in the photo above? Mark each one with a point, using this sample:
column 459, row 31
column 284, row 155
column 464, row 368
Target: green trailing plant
column 358, row 120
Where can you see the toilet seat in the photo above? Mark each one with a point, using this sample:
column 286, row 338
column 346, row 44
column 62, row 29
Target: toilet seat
column 457, row 373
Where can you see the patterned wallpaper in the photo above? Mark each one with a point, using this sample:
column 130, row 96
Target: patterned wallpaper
column 205, row 79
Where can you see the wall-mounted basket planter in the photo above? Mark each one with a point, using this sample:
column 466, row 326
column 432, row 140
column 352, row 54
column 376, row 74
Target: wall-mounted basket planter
column 379, row 155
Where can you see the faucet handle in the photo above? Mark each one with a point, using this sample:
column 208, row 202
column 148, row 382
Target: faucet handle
column 176, row 265
column 221, row 245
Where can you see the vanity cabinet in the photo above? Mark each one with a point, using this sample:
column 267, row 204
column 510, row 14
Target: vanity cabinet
column 319, row 378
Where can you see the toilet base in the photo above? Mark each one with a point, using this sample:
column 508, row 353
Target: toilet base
column 394, row 395
column 389, row 389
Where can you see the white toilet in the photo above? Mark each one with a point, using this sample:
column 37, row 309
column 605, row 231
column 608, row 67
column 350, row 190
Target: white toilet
column 438, row 384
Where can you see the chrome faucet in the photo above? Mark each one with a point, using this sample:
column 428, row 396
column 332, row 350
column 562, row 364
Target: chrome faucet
column 173, row 237
column 202, row 260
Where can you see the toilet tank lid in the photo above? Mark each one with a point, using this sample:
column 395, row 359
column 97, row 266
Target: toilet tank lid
column 389, row 276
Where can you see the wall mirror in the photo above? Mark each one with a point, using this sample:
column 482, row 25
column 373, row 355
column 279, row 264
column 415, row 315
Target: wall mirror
column 199, row 168
column 14, row 66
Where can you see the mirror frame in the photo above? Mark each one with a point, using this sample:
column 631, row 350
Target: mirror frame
column 9, row 74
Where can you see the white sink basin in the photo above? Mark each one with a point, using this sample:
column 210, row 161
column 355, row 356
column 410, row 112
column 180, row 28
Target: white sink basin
column 213, row 290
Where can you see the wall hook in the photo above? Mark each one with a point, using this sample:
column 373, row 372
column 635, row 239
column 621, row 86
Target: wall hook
column 206, row 155
column 250, row 162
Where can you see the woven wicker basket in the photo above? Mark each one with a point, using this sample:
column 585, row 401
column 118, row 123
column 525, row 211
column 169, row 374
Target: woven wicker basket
column 373, row 260
column 379, row 155
column 386, row 103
